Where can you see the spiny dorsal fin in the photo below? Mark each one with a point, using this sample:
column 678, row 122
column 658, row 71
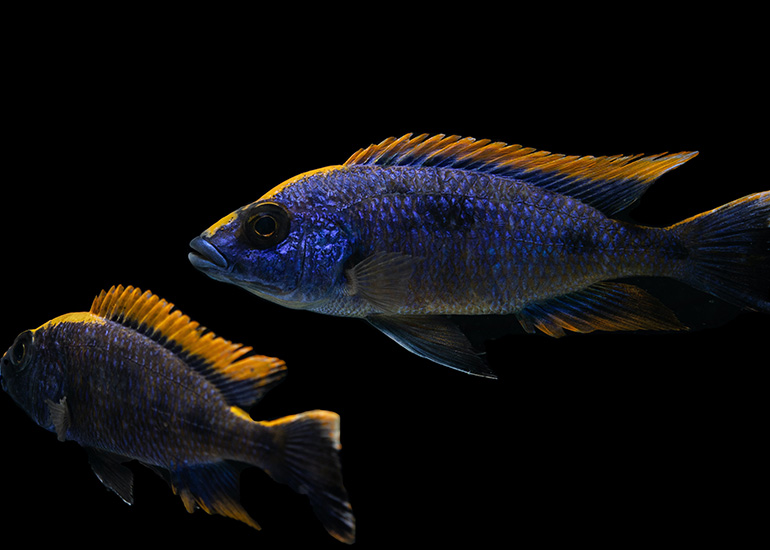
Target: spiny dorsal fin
column 243, row 380
column 608, row 183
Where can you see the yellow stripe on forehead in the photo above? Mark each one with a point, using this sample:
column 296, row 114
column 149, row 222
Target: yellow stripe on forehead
column 275, row 190
column 224, row 221
column 278, row 188
column 80, row 317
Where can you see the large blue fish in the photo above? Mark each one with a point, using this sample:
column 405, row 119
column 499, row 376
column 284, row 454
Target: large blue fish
column 134, row 379
column 412, row 231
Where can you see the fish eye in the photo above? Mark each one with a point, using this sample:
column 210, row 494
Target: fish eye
column 267, row 225
column 20, row 351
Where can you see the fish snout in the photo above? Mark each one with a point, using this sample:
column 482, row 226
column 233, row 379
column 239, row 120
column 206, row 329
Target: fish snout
column 206, row 257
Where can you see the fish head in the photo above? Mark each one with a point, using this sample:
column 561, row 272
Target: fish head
column 277, row 250
column 19, row 372
column 34, row 369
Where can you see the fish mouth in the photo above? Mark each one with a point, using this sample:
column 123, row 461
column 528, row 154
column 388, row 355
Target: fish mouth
column 206, row 257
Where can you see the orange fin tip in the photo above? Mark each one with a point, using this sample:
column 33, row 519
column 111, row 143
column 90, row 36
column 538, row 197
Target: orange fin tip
column 245, row 376
column 603, row 306
column 609, row 183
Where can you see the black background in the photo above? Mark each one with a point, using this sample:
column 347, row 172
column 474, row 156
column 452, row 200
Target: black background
column 126, row 139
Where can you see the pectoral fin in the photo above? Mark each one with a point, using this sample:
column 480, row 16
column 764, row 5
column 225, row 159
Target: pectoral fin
column 60, row 417
column 436, row 338
column 381, row 279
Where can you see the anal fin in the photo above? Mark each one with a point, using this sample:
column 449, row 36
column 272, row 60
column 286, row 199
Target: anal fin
column 212, row 487
column 436, row 338
column 606, row 306
column 109, row 468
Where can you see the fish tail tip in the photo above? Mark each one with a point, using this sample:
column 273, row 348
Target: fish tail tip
column 307, row 460
column 728, row 253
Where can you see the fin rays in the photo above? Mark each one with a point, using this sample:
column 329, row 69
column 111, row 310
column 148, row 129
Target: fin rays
column 609, row 183
column 607, row 306
column 242, row 379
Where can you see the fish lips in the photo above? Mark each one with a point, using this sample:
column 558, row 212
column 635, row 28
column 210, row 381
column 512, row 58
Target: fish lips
column 206, row 257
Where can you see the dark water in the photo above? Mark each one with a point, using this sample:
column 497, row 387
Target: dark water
column 600, row 439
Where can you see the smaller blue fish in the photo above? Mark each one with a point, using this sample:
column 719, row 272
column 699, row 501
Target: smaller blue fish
column 134, row 379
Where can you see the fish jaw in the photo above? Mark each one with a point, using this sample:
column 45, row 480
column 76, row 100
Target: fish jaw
column 208, row 259
column 206, row 256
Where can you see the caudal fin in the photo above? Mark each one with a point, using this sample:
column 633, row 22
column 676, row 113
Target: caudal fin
column 729, row 251
column 306, row 459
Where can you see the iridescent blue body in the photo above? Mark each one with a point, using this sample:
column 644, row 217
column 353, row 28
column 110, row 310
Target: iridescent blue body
column 412, row 230
column 134, row 379
column 128, row 395
column 485, row 244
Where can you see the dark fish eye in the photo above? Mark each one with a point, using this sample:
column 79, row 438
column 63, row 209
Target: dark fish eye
column 20, row 351
column 267, row 225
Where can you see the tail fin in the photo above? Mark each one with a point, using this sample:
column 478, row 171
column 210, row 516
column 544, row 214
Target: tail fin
column 306, row 459
column 729, row 251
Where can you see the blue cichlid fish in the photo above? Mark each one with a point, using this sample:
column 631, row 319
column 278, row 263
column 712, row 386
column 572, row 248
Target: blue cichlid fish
column 134, row 379
column 414, row 230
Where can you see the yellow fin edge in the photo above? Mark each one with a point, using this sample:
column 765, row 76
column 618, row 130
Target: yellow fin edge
column 501, row 157
column 157, row 318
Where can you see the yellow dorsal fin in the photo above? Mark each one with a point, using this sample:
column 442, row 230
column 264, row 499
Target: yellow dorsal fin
column 609, row 183
column 243, row 377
